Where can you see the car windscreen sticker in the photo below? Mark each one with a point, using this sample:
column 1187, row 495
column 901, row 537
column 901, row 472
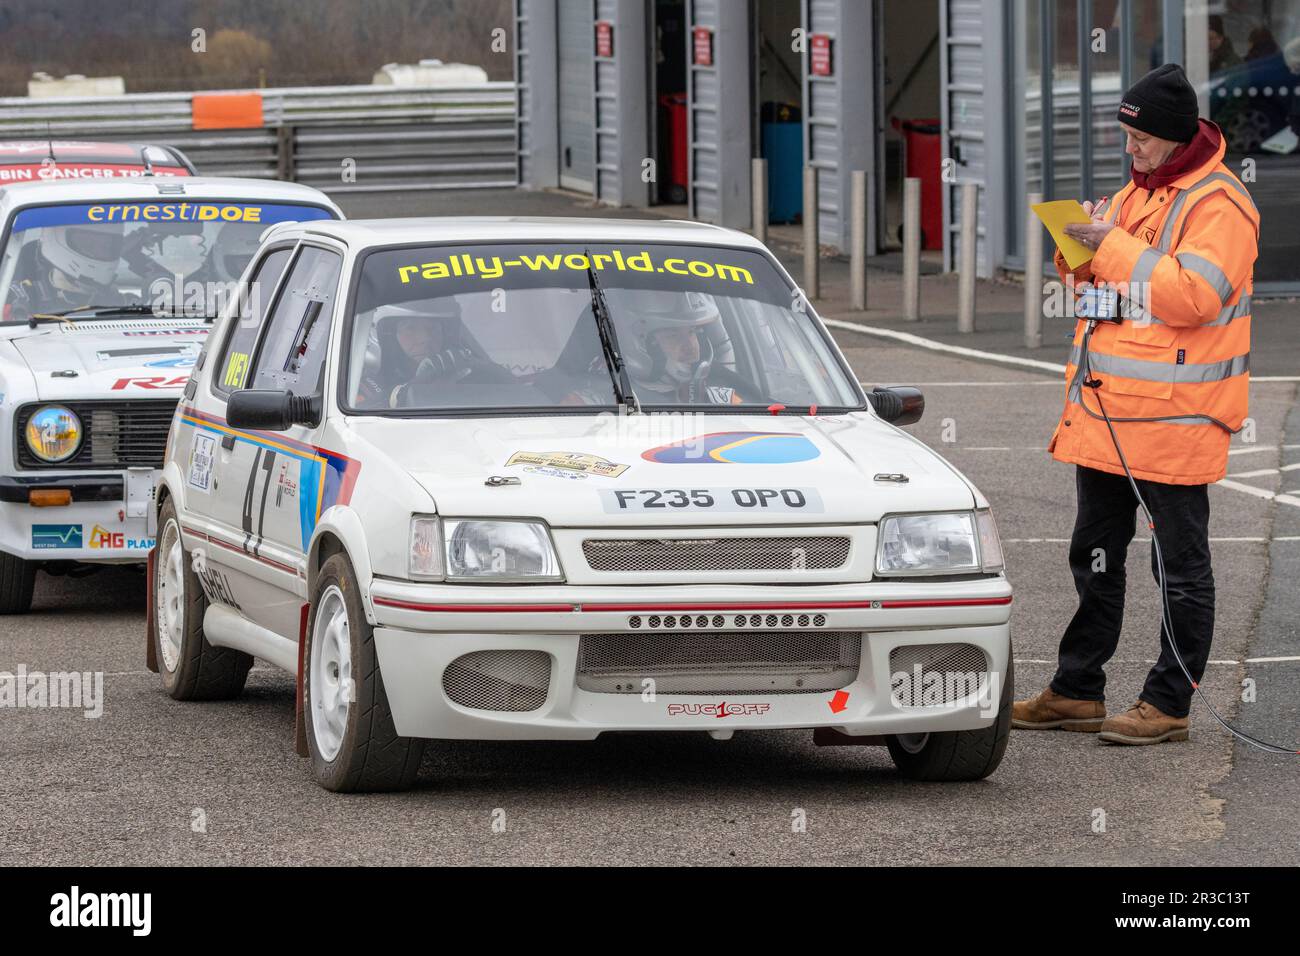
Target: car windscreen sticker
column 263, row 214
column 736, row 448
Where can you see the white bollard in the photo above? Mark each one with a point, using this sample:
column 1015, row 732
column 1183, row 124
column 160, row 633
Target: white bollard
column 858, row 252
column 811, row 277
column 758, row 207
column 966, row 262
column 912, row 249
column 1033, row 274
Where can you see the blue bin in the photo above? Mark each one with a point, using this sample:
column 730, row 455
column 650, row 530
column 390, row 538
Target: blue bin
column 782, row 145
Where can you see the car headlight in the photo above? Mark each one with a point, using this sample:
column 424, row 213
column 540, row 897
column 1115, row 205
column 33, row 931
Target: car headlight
column 961, row 542
column 54, row 433
column 471, row 549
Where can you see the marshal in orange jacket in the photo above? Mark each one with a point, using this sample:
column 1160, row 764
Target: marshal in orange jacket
column 1182, row 257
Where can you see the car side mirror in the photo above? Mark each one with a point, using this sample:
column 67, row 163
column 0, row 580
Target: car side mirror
column 271, row 409
column 898, row 405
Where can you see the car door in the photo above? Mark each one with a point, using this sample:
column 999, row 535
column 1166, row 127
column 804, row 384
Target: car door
column 272, row 480
column 209, row 452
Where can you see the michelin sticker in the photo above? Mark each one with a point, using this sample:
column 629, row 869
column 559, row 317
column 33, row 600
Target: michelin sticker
column 566, row 464
column 752, row 500
column 201, row 456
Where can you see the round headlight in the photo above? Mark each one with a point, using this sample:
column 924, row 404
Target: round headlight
column 54, row 433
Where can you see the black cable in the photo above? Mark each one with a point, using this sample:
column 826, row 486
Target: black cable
column 1166, row 615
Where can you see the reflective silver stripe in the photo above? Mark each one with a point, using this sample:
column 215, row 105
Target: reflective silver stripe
column 1138, row 294
column 1149, row 371
column 1208, row 271
column 1226, row 315
column 1166, row 239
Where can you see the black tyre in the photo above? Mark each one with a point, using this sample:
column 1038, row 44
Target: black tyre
column 351, row 738
column 190, row 667
column 957, row 755
column 17, row 582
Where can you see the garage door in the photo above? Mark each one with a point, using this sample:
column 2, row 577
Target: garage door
column 576, row 27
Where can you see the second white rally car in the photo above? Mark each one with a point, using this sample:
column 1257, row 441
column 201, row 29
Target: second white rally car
column 107, row 293
column 545, row 479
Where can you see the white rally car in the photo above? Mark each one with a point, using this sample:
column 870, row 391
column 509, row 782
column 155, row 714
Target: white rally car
column 546, row 478
column 105, row 292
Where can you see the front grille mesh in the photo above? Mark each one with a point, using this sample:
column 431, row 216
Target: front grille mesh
column 727, row 662
column 812, row 553
column 514, row 681
column 923, row 675
column 115, row 434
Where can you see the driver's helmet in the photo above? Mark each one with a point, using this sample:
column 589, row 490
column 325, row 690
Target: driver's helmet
column 643, row 313
column 84, row 254
column 444, row 311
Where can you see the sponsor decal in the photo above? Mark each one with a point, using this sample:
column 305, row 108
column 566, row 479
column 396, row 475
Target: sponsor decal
column 722, row 709
column 285, row 487
column 151, row 382
column 752, row 500
column 736, row 448
column 187, row 211
column 1128, row 109
column 180, row 361
column 566, row 464
column 51, row 536
column 236, row 370
column 492, row 268
column 216, row 587
column 202, row 454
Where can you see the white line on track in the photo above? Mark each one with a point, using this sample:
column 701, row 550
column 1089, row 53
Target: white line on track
column 1265, row 471
column 1248, row 660
column 1223, row 540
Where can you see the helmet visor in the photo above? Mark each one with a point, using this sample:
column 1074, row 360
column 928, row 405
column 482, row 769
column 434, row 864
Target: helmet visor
column 99, row 244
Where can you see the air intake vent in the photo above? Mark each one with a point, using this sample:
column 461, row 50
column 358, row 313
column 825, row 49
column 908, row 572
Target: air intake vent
column 927, row 675
column 513, row 681
column 719, row 662
column 792, row 553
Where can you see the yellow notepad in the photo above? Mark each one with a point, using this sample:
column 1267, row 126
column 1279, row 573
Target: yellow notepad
column 1055, row 216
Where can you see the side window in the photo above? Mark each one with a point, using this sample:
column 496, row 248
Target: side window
column 292, row 353
column 237, row 357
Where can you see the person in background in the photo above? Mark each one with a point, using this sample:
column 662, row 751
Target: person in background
column 1223, row 56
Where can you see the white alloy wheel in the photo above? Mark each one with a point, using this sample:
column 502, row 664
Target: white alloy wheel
column 331, row 673
column 169, row 595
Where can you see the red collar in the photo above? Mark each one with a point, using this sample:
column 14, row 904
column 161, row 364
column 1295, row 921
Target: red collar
column 1187, row 157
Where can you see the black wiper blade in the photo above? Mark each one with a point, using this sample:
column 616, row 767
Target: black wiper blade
column 623, row 392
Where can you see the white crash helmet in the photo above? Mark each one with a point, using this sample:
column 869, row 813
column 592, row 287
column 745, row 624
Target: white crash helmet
column 643, row 312
column 232, row 252
column 83, row 253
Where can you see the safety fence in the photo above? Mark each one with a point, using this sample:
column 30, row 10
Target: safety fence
column 340, row 139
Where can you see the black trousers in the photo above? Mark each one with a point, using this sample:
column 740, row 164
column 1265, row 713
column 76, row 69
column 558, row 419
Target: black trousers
column 1103, row 528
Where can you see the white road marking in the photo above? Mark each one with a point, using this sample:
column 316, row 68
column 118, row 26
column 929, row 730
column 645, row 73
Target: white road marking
column 1248, row 660
column 1222, row 540
column 934, row 346
column 1280, row 498
column 1259, row 472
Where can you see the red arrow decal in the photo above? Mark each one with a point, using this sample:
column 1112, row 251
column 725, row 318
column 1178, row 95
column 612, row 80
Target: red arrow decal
column 839, row 701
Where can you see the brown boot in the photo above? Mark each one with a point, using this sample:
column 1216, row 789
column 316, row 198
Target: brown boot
column 1051, row 711
column 1143, row 723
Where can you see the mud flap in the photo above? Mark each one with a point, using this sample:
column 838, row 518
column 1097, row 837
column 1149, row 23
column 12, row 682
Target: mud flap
column 150, row 646
column 299, row 725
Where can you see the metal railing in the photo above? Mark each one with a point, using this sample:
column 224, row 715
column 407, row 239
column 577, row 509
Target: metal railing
column 340, row 139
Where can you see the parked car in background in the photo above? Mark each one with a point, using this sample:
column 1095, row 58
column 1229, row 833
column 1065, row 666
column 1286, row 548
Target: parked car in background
column 39, row 160
column 107, row 293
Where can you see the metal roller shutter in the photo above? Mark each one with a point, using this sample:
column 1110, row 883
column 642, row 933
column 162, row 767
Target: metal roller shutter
column 576, row 29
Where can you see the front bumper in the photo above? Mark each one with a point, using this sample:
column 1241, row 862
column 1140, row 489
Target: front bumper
column 421, row 630
column 109, row 519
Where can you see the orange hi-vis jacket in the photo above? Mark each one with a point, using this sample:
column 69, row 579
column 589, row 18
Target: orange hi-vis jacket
column 1182, row 258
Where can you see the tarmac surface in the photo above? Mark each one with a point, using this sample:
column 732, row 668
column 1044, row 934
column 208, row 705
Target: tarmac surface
column 155, row 781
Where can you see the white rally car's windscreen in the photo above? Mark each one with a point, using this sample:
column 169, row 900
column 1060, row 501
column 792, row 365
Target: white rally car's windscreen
column 170, row 256
column 444, row 328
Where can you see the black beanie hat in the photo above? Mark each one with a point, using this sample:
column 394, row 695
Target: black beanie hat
column 1163, row 104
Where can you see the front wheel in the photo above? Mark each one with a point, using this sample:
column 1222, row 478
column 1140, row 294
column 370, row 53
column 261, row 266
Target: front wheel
column 351, row 738
column 957, row 755
column 17, row 583
column 190, row 667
